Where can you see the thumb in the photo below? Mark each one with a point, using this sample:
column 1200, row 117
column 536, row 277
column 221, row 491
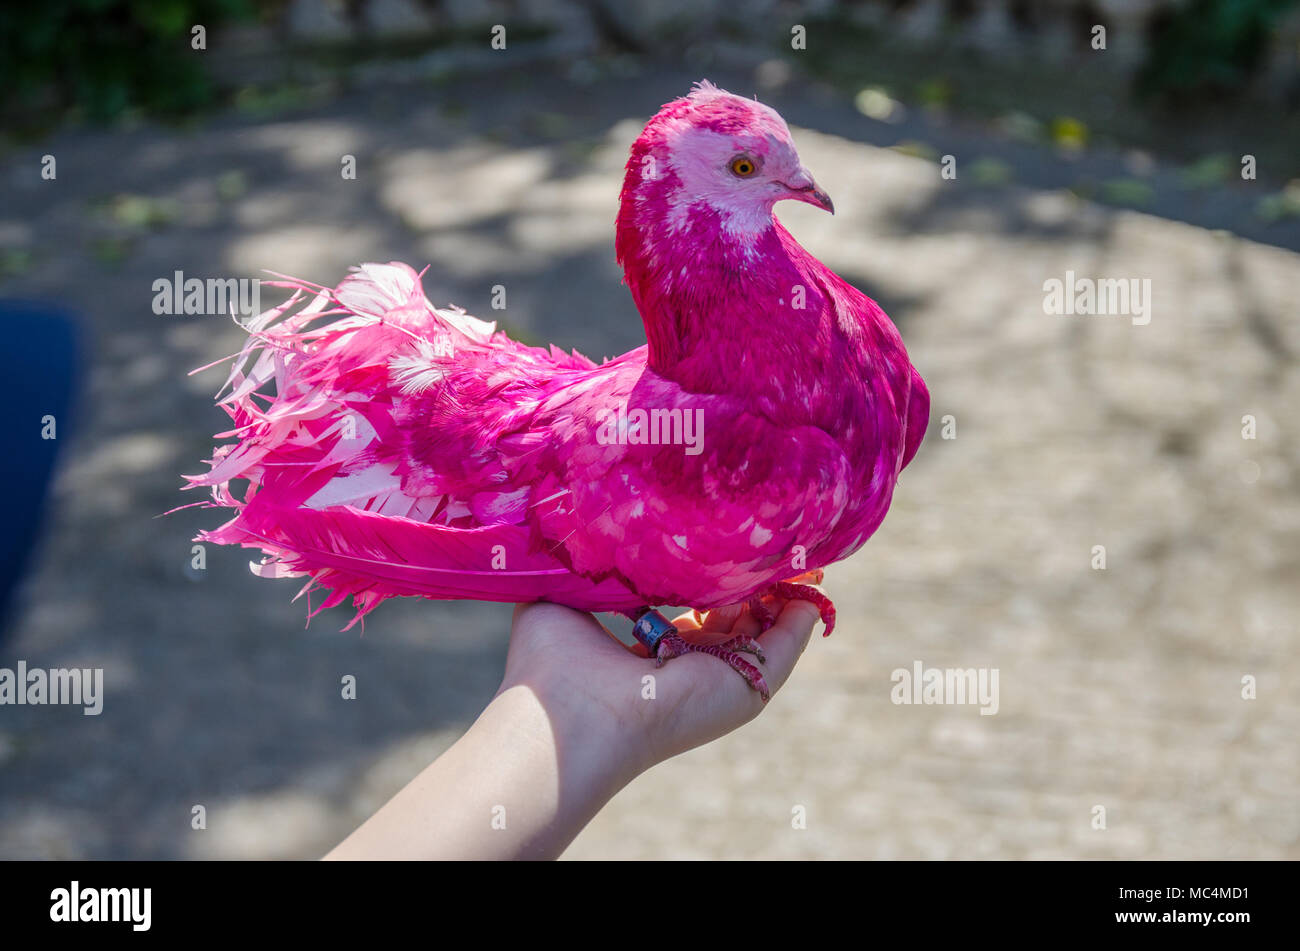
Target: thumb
column 784, row 642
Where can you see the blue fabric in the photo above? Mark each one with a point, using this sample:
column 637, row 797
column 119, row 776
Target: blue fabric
column 42, row 355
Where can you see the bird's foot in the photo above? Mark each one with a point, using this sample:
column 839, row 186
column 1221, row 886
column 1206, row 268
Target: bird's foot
column 664, row 642
column 674, row 645
column 798, row 588
column 798, row 591
column 744, row 644
column 762, row 614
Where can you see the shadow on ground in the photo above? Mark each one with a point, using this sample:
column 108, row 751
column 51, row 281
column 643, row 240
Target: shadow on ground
column 1121, row 687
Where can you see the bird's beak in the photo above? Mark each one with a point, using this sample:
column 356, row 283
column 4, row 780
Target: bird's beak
column 802, row 188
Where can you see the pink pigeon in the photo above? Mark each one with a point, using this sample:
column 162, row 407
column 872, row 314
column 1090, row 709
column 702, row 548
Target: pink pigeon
column 409, row 450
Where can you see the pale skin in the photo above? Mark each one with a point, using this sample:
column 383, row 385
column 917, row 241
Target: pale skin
column 568, row 728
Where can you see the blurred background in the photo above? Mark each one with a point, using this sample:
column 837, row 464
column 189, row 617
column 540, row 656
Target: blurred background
column 1171, row 153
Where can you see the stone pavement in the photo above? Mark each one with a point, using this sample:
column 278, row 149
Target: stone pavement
column 1119, row 687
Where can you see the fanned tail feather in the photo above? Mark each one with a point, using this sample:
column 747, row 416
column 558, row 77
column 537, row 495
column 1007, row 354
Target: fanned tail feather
column 370, row 558
column 323, row 498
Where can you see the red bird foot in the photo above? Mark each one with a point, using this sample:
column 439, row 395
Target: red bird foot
column 661, row 638
column 799, row 588
column 792, row 591
column 674, row 645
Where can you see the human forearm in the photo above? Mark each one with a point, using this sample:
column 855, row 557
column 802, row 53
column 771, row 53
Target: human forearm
column 576, row 719
column 521, row 783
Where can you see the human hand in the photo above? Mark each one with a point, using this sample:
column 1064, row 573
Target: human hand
column 598, row 690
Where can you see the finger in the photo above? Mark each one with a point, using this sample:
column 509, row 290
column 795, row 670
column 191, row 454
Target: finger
column 813, row 579
column 746, row 625
column 686, row 622
column 785, row 641
column 721, row 620
column 720, row 625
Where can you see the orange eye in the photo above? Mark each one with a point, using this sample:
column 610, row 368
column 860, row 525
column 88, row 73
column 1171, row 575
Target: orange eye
column 743, row 166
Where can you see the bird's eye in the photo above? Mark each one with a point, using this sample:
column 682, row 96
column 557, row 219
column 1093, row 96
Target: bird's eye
column 742, row 166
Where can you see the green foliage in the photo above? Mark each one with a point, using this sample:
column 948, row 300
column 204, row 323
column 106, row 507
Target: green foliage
column 935, row 93
column 991, row 171
column 1209, row 171
column 1284, row 204
column 1068, row 133
column 1129, row 192
column 104, row 57
column 1208, row 47
column 916, row 149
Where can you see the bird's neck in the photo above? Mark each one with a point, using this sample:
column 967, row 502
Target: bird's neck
column 722, row 304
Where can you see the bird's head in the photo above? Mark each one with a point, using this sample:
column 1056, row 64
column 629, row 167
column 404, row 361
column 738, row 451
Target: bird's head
column 716, row 152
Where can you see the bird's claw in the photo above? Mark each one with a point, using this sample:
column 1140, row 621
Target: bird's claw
column 798, row 588
column 674, row 645
column 762, row 614
column 743, row 643
column 796, row 591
